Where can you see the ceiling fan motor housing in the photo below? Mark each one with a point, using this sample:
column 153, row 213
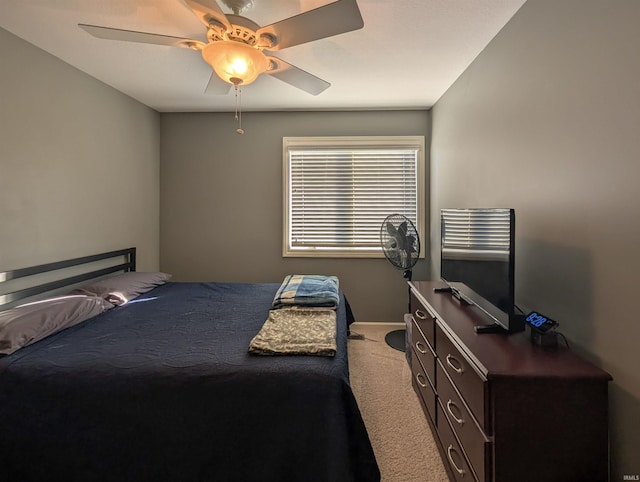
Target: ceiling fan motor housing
column 242, row 30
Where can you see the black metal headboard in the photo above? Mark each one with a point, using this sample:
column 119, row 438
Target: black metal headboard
column 129, row 256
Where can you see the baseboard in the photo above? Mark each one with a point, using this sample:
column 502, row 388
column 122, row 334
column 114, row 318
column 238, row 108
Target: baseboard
column 379, row 323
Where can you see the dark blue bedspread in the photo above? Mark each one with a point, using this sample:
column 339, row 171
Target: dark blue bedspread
column 164, row 389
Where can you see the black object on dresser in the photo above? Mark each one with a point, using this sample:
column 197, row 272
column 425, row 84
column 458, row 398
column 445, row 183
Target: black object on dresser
column 501, row 408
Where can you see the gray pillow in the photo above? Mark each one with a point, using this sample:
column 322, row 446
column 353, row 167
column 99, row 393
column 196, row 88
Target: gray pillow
column 121, row 288
column 31, row 322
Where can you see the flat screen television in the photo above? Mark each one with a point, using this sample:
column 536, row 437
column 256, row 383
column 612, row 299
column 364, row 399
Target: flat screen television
column 477, row 261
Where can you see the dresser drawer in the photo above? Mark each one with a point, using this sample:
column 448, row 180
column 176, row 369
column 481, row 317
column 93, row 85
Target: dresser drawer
column 424, row 353
column 471, row 385
column 424, row 319
column 474, row 442
column 453, row 454
column 424, row 389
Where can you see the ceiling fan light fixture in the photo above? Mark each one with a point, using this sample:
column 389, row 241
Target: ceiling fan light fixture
column 235, row 62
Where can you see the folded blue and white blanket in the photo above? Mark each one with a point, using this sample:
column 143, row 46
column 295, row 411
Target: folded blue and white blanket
column 308, row 290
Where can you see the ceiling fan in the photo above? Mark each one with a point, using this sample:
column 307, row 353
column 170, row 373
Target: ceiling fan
column 239, row 50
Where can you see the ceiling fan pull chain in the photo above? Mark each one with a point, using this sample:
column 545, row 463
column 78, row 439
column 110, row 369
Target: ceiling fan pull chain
column 238, row 90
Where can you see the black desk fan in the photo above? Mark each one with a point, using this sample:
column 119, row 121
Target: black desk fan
column 401, row 246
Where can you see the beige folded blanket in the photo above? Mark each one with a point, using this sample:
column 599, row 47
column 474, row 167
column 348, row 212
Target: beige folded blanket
column 297, row 331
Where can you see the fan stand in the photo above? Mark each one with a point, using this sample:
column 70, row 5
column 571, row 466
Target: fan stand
column 396, row 339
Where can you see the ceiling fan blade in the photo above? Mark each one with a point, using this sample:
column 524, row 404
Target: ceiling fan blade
column 326, row 21
column 209, row 11
column 217, row 86
column 142, row 37
column 297, row 77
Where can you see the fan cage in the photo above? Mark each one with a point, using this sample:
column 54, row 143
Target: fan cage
column 400, row 242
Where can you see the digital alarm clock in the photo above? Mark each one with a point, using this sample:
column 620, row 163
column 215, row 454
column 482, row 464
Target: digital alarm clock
column 540, row 322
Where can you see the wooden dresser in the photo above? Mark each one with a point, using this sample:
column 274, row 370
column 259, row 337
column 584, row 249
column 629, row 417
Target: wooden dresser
column 501, row 408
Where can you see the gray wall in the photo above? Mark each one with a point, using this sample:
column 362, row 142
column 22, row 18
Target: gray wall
column 546, row 121
column 79, row 163
column 221, row 202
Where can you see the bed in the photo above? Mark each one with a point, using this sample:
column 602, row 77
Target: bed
column 163, row 388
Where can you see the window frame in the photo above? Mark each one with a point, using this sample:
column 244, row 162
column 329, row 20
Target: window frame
column 355, row 143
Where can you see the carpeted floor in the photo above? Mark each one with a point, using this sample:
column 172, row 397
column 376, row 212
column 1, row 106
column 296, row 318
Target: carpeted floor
column 400, row 435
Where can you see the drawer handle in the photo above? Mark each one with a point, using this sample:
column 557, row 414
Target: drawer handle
column 450, row 361
column 420, row 314
column 450, row 404
column 420, row 348
column 457, row 469
column 421, row 383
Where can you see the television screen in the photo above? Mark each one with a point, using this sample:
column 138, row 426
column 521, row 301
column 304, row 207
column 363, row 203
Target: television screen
column 477, row 261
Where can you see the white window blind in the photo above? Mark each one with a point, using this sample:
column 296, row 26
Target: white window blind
column 339, row 190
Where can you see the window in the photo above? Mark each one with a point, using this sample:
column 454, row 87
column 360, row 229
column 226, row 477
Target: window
column 338, row 190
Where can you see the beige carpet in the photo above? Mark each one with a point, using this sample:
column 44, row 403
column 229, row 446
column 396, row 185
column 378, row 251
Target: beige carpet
column 400, row 435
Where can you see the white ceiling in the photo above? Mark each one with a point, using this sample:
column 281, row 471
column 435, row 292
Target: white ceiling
column 406, row 56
